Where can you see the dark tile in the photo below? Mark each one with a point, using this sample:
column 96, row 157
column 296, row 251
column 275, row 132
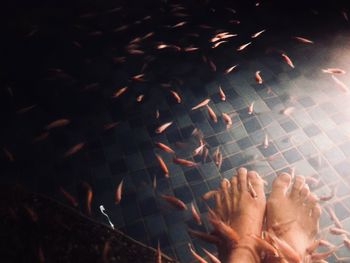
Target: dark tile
column 137, row 231
column 226, row 165
column 244, row 143
column 312, row 130
column 292, row 155
column 252, row 125
column 173, row 136
column 148, row 206
column 184, row 193
column 269, row 151
column 306, row 102
column 186, row 132
column 212, row 141
column 289, row 126
column 163, row 240
column 155, row 225
column 343, row 168
column 193, row 176
column 118, row 166
column 197, row 116
column 274, row 103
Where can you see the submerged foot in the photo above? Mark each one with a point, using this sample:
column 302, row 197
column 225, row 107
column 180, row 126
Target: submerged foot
column 292, row 213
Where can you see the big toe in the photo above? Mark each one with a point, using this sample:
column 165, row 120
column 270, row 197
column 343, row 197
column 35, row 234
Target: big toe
column 280, row 185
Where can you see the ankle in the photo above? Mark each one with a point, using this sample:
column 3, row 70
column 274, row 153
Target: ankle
column 245, row 251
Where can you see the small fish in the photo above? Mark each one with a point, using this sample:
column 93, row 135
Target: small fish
column 69, row 197
column 190, row 49
column 288, row 252
column 201, row 104
column 163, row 166
column 174, row 201
column 209, row 194
column 184, row 162
column 304, row 40
column 212, row 114
column 154, row 182
column 138, row 77
column 227, row 119
column 340, row 84
column 164, row 147
column 110, row 125
column 158, row 254
column 8, row 154
column 205, row 154
column 195, row 214
column 334, row 71
column 258, row 78
column 251, row 108
column 88, row 199
column 287, row 111
column 41, row 137
column 199, row 149
column 228, row 70
column 25, row 109
column 328, row 197
column 222, row 94
column 334, row 217
column 105, row 251
column 322, row 255
column 258, row 33
column 73, row 150
column 240, row 48
column 266, row 142
column 162, row 127
column 251, row 190
column 218, row 43
column 139, row 98
column 195, row 255
column 176, row 96
column 157, row 114
column 119, row 92
column 346, row 242
column 57, row 123
column 32, row 214
column 118, row 192
column 103, row 211
column 204, row 236
column 179, row 24
column 345, row 16
column 338, row 231
column 287, row 60
column 212, row 258
column 212, row 65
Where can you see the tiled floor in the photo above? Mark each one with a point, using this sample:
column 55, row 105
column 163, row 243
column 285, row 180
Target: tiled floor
column 314, row 139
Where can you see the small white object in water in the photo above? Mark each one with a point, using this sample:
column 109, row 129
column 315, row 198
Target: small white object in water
column 104, row 213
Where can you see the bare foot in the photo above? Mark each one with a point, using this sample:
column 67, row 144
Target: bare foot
column 293, row 214
column 240, row 203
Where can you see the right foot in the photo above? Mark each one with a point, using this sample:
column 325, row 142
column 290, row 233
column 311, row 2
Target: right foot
column 293, row 214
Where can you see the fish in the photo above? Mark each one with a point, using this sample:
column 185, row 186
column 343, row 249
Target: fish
column 266, row 142
column 288, row 252
column 195, row 214
column 57, row 123
column 41, row 256
column 287, row 111
column 251, row 108
column 258, row 33
column 157, row 114
column 139, row 98
column 158, row 254
column 199, row 149
column 227, row 119
column 41, row 137
column 346, row 242
column 251, row 190
column 209, row 194
column 334, row 71
column 8, row 154
column 32, row 214
column 164, row 147
column 195, row 255
column 212, row 65
column 163, row 166
column 138, row 77
column 25, row 109
column 190, row 49
column 205, row 154
column 303, row 40
column 322, row 255
column 119, row 92
column 88, row 199
column 340, row 84
column 118, row 192
column 265, row 246
column 212, row 114
column 287, row 60
column 103, row 211
column 201, row 104
column 240, row 48
column 345, row 16
column 222, row 94
column 204, row 236
column 174, row 201
column 258, row 78
column 74, row 149
column 334, row 217
column 110, row 125
column 228, row 70
column 313, row 246
column 176, row 96
column 71, row 199
column 326, row 243
column 163, row 127
column 218, row 43
column 154, row 182
column 328, row 197
column 338, row 231
column 212, row 258
column 184, row 162
column 105, row 251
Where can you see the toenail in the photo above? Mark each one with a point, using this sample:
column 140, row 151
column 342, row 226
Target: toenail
column 284, row 177
column 241, row 170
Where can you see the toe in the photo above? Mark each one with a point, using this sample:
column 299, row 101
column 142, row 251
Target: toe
column 316, row 212
column 280, row 185
column 257, row 183
column 242, row 179
column 304, row 193
column 311, row 201
column 234, row 191
column 225, row 188
column 297, row 185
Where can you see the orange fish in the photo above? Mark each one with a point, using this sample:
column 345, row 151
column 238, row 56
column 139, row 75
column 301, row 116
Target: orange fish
column 195, row 255
column 240, row 48
column 201, row 104
column 209, row 194
column 190, row 49
column 176, row 96
column 204, row 236
column 174, row 201
column 222, row 94
column 266, row 142
column 157, row 114
column 199, row 149
column 110, row 125
column 212, row 114
column 333, row 71
column 57, row 123
column 340, row 84
column 25, row 109
column 158, row 254
column 287, row 111
column 139, row 98
column 73, row 149
column 154, row 182
column 118, row 193
column 179, row 24
column 163, row 166
column 195, row 214
column 212, row 258
column 228, row 70
column 287, row 251
column 218, row 43
column 322, row 255
column 258, row 78
column 304, row 40
column 258, row 33
column 205, row 154
column 184, row 162
column 212, row 65
column 287, row 60
column 251, row 108
column 69, row 197
column 227, row 119
column 138, row 77
column 334, row 217
column 89, row 195
column 338, row 231
column 162, row 127
column 119, row 92
column 41, row 137
column 164, row 147
column 32, row 214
